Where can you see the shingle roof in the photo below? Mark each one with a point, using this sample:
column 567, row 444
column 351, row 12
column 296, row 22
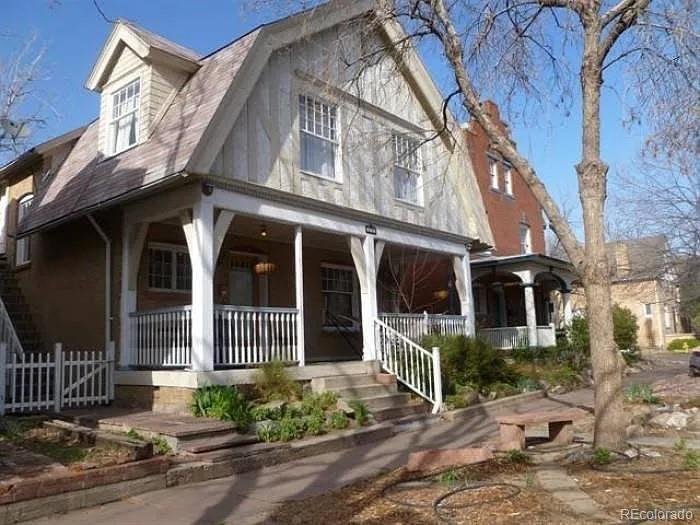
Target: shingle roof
column 634, row 259
column 87, row 179
column 161, row 43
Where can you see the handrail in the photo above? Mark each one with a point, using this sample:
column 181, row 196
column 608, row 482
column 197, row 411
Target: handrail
column 413, row 365
column 344, row 333
column 183, row 308
column 7, row 331
column 259, row 309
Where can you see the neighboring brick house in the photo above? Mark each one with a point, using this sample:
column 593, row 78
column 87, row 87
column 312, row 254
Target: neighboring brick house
column 515, row 285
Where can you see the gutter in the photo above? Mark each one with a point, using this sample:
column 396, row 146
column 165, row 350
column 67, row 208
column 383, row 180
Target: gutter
column 108, row 280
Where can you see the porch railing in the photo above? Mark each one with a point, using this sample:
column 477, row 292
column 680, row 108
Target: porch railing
column 413, row 365
column 506, row 337
column 8, row 335
column 546, row 336
column 415, row 326
column 252, row 335
column 161, row 338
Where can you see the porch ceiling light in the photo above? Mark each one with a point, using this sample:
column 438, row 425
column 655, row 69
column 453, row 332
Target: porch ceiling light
column 264, row 267
column 440, row 295
column 263, row 231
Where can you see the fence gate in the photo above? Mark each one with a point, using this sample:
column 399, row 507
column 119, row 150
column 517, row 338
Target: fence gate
column 40, row 381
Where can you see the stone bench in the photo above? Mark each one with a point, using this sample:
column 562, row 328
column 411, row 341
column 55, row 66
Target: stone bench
column 512, row 427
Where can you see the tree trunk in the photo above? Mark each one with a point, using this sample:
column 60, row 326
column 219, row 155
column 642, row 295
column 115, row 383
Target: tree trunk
column 592, row 173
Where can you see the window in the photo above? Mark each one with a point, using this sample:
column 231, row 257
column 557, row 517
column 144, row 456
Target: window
column 508, row 180
column 23, row 245
column 169, row 268
column 647, row 310
column 318, row 123
column 125, row 117
column 340, row 296
column 525, row 240
column 493, row 171
column 407, row 169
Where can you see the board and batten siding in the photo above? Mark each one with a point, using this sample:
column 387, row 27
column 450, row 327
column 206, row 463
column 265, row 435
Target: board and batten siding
column 263, row 144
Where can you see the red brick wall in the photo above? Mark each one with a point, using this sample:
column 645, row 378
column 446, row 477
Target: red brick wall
column 505, row 213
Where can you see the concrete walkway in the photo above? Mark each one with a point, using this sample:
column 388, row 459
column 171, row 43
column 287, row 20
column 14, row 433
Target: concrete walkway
column 249, row 498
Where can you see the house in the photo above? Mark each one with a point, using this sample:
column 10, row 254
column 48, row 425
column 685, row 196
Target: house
column 521, row 296
column 643, row 281
column 230, row 209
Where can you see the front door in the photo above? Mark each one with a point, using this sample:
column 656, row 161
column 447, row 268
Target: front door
column 242, row 280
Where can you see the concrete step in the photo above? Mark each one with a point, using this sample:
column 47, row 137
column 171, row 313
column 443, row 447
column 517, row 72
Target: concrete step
column 219, row 441
column 334, row 383
column 378, row 403
column 365, row 391
column 413, row 408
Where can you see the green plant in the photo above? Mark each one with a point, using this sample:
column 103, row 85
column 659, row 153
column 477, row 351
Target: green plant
column 291, row 428
column 360, row 412
column 465, row 360
column 499, row 390
column 273, row 382
column 691, row 460
column 451, row 477
column 132, row 434
column 268, row 432
column 316, row 423
column 625, row 329
column 338, row 420
column 680, row 445
column 262, row 413
column 323, row 401
column 641, row 393
column 222, row 402
column 527, row 384
column 160, row 446
column 683, row 345
column 517, row 456
column 529, row 479
column 602, row 456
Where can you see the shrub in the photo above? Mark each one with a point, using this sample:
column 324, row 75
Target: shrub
column 261, row 413
column 316, row 423
column 339, row 420
column 291, row 428
column 160, row 446
column 360, row 412
column 517, row 456
column 679, row 344
column 466, row 360
column 268, row 432
column 641, row 393
column 625, row 328
column 222, row 402
column 602, row 456
column 322, row 401
column 273, row 382
column 691, row 460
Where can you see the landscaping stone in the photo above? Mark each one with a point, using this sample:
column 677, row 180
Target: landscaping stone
column 677, row 420
column 634, row 430
column 694, row 423
column 431, row 459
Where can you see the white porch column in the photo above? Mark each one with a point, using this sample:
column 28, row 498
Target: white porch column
column 363, row 255
column 566, row 303
column 199, row 232
column 299, row 293
column 133, row 239
column 463, row 283
column 530, row 314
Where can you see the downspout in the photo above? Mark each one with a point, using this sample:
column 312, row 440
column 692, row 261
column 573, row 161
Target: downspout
column 108, row 280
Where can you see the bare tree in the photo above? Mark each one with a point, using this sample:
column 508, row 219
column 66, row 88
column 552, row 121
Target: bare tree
column 22, row 109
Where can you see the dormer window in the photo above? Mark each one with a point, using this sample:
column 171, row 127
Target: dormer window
column 124, row 125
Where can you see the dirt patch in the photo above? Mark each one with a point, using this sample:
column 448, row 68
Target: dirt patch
column 647, row 483
column 398, row 497
column 678, row 389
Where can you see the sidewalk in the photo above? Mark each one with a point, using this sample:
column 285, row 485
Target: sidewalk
column 249, row 498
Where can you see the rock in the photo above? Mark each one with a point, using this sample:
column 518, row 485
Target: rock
column 557, row 389
column 694, row 423
column 650, row 453
column 631, row 453
column 677, row 420
column 634, row 430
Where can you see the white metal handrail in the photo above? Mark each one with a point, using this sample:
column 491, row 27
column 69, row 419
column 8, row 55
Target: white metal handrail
column 416, row 326
column 246, row 335
column 8, row 335
column 413, row 365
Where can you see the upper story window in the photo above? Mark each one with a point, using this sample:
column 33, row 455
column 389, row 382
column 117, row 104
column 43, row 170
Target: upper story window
column 493, row 172
column 169, row 268
column 508, row 180
column 647, row 310
column 525, row 239
column 318, row 124
column 124, row 125
column 340, row 296
column 407, row 169
column 23, row 245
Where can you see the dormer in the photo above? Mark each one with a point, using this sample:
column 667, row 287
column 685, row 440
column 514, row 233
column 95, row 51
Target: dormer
column 137, row 73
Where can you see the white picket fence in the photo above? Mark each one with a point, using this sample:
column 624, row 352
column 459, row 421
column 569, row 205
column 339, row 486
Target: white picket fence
column 416, row 326
column 413, row 365
column 41, row 381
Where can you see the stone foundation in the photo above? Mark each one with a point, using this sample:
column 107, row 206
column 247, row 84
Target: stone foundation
column 163, row 399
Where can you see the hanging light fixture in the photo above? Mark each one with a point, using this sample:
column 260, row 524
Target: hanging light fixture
column 264, row 267
column 440, row 295
column 263, row 231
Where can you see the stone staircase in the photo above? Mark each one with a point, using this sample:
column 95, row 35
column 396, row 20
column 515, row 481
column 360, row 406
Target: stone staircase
column 378, row 391
column 17, row 308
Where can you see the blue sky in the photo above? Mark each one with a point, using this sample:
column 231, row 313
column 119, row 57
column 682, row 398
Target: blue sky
column 72, row 32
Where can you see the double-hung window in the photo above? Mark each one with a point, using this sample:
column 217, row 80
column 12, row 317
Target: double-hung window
column 493, row 172
column 125, row 117
column 169, row 268
column 23, row 245
column 508, row 180
column 340, row 297
column 525, row 239
column 318, row 124
column 407, row 169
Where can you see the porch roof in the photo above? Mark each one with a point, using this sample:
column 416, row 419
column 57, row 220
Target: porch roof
column 540, row 259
